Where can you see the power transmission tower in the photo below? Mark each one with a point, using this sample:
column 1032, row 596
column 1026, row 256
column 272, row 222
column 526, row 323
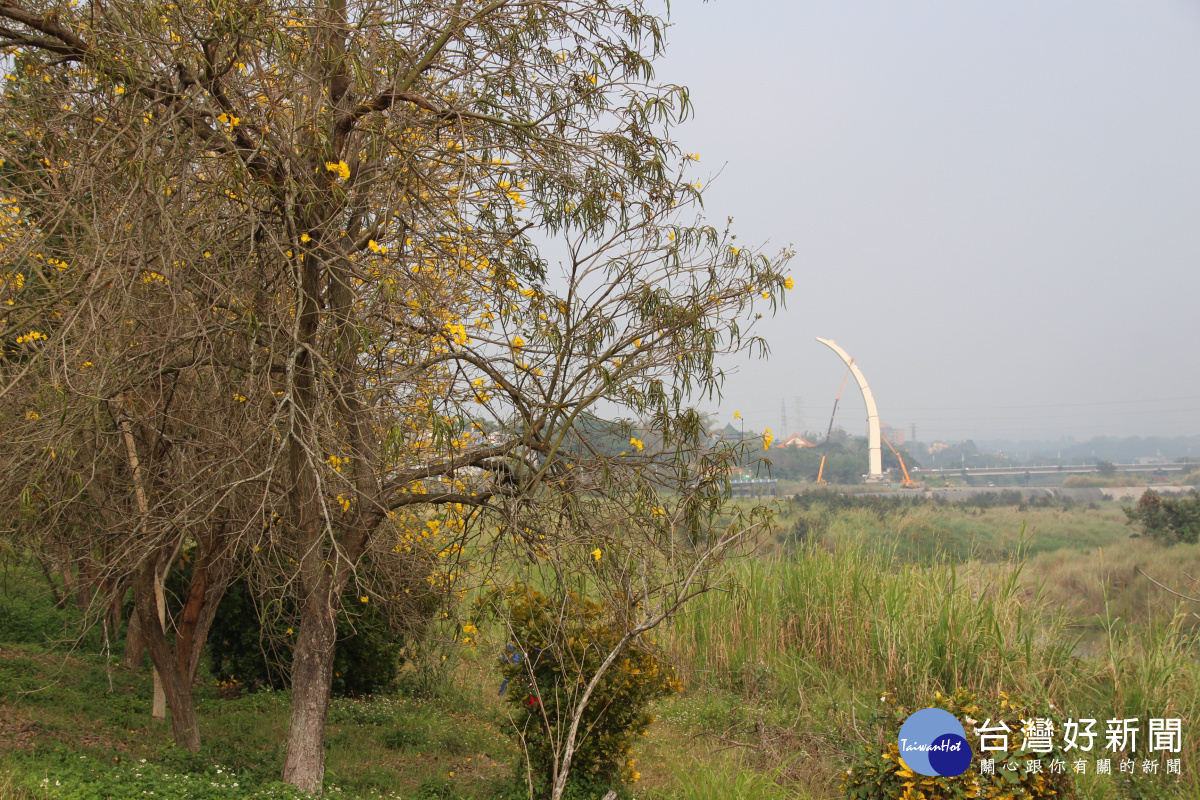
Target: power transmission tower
column 783, row 429
column 798, row 412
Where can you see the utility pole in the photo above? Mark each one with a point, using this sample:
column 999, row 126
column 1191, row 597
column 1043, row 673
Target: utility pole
column 783, row 429
column 913, row 439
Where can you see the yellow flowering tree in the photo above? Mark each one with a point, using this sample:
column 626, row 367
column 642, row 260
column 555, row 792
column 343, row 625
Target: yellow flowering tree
column 328, row 222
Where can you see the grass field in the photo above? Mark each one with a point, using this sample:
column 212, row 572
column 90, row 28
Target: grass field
column 783, row 670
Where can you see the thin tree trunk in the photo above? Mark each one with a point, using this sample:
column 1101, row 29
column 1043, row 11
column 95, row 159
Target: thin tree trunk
column 210, row 577
column 134, row 649
column 159, row 708
column 312, row 658
column 177, row 691
column 68, row 583
column 114, row 611
column 159, row 568
column 83, row 587
column 312, row 677
column 50, row 581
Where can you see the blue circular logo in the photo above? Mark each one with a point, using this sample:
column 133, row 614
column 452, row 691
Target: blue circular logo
column 932, row 742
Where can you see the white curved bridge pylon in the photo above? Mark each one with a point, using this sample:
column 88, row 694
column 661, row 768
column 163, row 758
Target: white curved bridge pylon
column 874, row 456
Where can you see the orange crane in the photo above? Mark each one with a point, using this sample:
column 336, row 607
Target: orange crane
column 821, row 472
column 907, row 483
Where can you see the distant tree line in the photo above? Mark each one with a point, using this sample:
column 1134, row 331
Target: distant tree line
column 845, row 459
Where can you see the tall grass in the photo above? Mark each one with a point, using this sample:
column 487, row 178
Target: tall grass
column 850, row 619
column 853, row 614
column 1112, row 580
column 922, row 530
column 696, row 779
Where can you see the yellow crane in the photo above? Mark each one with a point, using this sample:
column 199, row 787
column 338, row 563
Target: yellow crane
column 907, row 483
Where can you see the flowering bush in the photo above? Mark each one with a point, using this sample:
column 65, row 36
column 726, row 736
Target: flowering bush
column 559, row 646
column 1017, row 774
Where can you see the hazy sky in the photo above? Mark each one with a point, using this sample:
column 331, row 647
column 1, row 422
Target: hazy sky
column 995, row 206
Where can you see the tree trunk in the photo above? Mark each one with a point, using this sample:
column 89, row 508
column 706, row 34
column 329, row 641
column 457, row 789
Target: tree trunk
column 312, row 658
column 177, row 691
column 210, row 577
column 159, row 708
column 83, row 587
column 312, row 678
column 115, row 608
column 68, row 583
column 50, row 581
column 134, row 650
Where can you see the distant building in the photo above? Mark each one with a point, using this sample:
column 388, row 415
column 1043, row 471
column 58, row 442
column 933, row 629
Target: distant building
column 937, row 447
column 893, row 435
column 726, row 434
column 795, row 440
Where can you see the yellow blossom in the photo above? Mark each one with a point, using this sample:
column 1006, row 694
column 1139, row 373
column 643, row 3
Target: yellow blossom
column 340, row 167
column 789, row 283
column 597, row 553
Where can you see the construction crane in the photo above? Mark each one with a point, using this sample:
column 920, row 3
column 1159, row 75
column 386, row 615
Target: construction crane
column 907, row 483
column 821, row 472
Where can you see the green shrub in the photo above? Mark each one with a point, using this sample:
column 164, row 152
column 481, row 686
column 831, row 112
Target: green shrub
column 559, row 646
column 256, row 649
column 1167, row 519
column 880, row 774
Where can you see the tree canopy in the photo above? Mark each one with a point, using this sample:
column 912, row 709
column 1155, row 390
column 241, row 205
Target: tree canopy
column 314, row 287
